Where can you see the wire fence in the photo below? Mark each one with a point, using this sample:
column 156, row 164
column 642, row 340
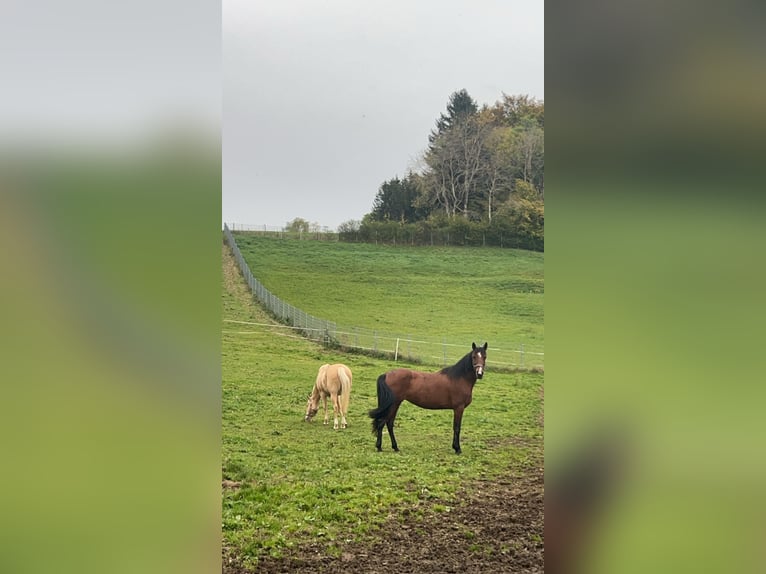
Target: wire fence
column 394, row 233
column 315, row 231
column 396, row 346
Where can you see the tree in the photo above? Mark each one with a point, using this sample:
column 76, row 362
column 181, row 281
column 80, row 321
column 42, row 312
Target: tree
column 454, row 163
column 483, row 170
column 395, row 201
column 350, row 226
column 297, row 225
column 459, row 106
column 498, row 170
column 530, row 152
column 526, row 212
column 516, row 109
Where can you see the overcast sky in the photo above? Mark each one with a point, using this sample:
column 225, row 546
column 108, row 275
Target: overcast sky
column 324, row 101
column 85, row 70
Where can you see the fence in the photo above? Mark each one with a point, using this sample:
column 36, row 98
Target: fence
column 458, row 233
column 397, row 346
column 315, row 231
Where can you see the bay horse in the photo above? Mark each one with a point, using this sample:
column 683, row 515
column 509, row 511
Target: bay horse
column 332, row 381
column 450, row 388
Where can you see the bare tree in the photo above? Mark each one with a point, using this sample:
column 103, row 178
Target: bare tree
column 455, row 163
column 530, row 149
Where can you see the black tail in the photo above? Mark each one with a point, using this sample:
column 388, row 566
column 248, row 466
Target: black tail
column 385, row 400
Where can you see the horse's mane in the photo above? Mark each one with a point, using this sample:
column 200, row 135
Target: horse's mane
column 463, row 367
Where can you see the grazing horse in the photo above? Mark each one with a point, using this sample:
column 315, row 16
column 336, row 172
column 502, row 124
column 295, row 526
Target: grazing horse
column 333, row 381
column 450, row 388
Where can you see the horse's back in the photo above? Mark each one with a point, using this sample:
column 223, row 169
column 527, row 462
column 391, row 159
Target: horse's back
column 427, row 390
column 401, row 380
column 338, row 376
column 400, row 374
column 343, row 373
column 341, row 368
column 322, row 376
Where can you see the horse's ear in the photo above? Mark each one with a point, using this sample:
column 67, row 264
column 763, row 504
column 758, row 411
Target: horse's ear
column 485, row 346
column 473, row 345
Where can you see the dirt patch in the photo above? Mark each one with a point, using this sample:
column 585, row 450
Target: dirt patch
column 498, row 527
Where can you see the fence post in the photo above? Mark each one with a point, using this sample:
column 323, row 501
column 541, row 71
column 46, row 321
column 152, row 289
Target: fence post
column 521, row 353
column 396, row 353
column 375, row 341
column 444, row 352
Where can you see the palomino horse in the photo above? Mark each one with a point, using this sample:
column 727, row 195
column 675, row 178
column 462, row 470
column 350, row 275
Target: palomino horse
column 333, row 381
column 450, row 388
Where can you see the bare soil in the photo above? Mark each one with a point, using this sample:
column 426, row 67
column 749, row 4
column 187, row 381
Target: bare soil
column 497, row 527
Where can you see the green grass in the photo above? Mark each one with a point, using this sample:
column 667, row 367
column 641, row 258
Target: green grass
column 303, row 482
column 457, row 293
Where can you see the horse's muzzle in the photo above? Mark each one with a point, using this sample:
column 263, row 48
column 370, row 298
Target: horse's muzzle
column 479, row 373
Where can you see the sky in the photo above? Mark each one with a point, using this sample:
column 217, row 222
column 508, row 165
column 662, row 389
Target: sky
column 91, row 71
column 324, row 101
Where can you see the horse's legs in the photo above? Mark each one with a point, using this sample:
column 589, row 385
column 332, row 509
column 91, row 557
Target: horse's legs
column 390, row 425
column 343, row 423
column 335, row 409
column 456, row 422
column 324, row 404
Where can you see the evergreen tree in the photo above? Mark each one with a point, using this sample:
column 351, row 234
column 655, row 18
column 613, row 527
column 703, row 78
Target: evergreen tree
column 460, row 106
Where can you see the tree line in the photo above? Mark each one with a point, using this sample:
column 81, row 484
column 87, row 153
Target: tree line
column 482, row 175
column 480, row 181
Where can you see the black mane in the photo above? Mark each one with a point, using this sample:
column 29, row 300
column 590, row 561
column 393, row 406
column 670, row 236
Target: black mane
column 463, row 367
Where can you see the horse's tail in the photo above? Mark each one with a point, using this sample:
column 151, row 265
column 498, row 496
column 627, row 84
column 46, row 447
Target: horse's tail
column 345, row 377
column 385, row 401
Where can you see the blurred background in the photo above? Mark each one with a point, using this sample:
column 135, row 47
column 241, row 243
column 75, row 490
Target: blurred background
column 109, row 293
column 654, row 455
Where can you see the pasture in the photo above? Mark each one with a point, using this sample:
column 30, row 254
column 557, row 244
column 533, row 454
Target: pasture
column 425, row 291
column 297, row 491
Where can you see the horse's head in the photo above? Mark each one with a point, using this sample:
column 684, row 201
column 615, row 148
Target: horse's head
column 478, row 358
column 312, row 406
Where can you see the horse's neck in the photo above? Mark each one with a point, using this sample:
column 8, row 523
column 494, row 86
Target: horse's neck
column 462, row 370
column 465, row 368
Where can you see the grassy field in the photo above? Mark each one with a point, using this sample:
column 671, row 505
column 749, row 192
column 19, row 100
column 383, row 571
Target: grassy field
column 293, row 482
column 463, row 294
